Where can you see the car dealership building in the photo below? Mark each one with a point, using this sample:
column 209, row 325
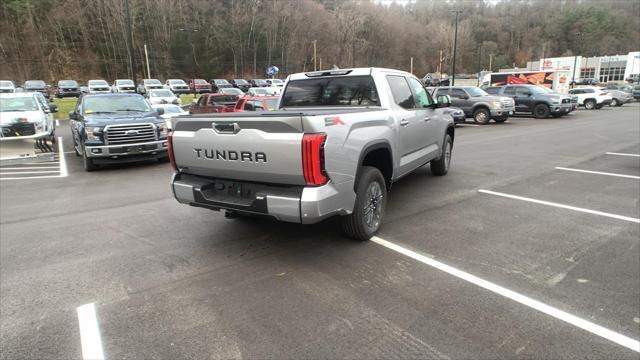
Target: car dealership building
column 603, row 68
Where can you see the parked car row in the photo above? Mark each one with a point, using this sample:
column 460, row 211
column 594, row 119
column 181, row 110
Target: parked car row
column 497, row 103
column 71, row 88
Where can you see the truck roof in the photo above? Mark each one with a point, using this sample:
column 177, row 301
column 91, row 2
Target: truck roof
column 347, row 71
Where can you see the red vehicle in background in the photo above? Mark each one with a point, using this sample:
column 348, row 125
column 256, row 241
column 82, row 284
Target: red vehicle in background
column 256, row 103
column 214, row 103
column 199, row 86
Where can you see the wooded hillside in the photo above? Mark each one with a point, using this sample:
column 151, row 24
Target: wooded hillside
column 82, row 39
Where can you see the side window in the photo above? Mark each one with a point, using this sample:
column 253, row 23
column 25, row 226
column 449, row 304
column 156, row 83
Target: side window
column 202, row 101
column 510, row 90
column 442, row 91
column 588, row 91
column 257, row 104
column 457, row 93
column 522, row 91
column 239, row 104
column 401, row 91
column 420, row 94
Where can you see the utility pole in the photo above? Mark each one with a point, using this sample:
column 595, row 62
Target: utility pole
column 490, row 62
column 190, row 31
column 315, row 63
column 146, row 56
column 132, row 59
column 353, row 53
column 440, row 64
column 575, row 62
column 411, row 67
column 479, row 56
column 455, row 45
column 320, row 62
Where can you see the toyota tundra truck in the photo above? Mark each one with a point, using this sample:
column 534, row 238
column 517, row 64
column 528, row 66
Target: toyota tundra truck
column 334, row 146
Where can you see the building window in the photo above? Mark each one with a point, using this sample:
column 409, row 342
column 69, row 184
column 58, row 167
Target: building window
column 611, row 74
column 587, row 73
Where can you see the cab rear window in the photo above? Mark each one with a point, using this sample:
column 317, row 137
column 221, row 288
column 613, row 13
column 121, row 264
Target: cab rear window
column 331, row 91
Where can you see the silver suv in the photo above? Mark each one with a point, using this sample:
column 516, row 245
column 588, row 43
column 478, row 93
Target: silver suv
column 476, row 103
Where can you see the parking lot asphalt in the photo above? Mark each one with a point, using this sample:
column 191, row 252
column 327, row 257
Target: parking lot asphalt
column 169, row 281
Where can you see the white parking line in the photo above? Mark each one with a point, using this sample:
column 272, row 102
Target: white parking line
column 623, row 154
column 63, row 160
column 31, row 168
column 60, row 162
column 548, row 203
column 28, row 172
column 89, row 332
column 598, row 173
column 467, row 125
column 524, row 300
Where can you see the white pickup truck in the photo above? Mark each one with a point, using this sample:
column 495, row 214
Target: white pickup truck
column 338, row 141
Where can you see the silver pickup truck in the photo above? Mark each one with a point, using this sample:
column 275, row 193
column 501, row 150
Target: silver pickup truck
column 338, row 141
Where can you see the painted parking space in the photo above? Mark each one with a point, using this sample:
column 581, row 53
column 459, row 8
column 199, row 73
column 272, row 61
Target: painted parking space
column 41, row 167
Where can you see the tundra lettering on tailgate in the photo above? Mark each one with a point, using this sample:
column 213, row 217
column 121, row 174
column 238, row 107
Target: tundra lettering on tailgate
column 230, row 155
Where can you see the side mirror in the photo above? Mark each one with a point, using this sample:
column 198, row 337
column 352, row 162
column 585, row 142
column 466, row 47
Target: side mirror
column 73, row 115
column 160, row 111
column 464, row 97
column 443, row 101
column 53, row 108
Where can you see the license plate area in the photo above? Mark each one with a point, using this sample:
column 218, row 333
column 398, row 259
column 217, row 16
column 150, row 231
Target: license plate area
column 230, row 192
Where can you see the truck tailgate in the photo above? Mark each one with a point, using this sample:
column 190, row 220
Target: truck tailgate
column 248, row 148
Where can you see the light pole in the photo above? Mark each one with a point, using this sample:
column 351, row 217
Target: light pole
column 575, row 60
column 455, row 45
column 132, row 59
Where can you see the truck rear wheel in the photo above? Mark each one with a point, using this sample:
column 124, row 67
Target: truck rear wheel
column 370, row 205
column 440, row 166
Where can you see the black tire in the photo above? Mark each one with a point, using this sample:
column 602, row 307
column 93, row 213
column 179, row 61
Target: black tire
column 440, row 166
column 615, row 102
column 481, row 116
column 541, row 111
column 358, row 225
column 88, row 162
column 590, row 104
column 500, row 119
column 75, row 149
column 164, row 159
column 599, row 106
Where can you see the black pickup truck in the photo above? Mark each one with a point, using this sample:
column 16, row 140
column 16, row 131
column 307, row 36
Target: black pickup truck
column 117, row 128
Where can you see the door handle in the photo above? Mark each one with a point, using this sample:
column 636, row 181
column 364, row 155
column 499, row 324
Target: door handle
column 404, row 122
column 426, row 118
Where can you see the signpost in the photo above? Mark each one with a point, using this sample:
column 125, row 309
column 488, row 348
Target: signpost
column 272, row 71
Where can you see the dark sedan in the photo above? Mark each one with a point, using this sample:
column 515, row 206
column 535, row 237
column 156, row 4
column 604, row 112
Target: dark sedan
column 67, row 88
column 241, row 84
column 36, row 85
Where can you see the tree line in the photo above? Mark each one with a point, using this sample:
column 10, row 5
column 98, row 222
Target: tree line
column 83, row 39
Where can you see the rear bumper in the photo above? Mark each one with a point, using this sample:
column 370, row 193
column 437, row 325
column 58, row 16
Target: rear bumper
column 297, row 204
column 119, row 152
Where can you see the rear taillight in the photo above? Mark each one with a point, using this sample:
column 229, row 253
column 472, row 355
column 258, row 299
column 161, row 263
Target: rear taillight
column 604, row 93
column 172, row 159
column 313, row 159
